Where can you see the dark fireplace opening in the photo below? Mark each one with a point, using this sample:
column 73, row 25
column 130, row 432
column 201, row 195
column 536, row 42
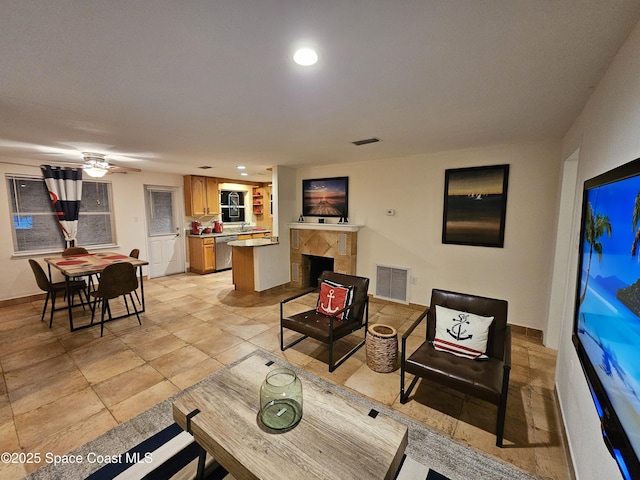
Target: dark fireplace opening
column 317, row 265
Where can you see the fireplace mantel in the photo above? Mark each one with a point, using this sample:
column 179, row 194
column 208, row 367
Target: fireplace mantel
column 333, row 227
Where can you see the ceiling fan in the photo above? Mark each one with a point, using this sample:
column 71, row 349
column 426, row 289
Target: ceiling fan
column 96, row 166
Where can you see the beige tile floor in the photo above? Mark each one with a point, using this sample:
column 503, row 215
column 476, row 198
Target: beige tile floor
column 60, row 389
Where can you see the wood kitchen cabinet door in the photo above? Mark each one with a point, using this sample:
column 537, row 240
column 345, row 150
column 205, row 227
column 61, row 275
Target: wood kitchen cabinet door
column 202, row 255
column 209, row 255
column 201, row 196
column 195, row 196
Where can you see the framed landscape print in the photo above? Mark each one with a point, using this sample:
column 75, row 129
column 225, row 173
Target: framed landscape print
column 475, row 205
column 325, row 197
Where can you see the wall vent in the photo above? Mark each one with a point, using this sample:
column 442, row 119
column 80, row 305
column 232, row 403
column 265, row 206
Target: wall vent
column 295, row 242
column 342, row 244
column 295, row 272
column 392, row 283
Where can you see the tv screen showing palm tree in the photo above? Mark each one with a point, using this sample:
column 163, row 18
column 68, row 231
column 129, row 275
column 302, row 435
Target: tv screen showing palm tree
column 607, row 313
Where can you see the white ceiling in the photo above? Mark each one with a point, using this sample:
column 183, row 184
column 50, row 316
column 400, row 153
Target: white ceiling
column 173, row 85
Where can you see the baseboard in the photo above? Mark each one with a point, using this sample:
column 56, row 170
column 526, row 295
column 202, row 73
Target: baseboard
column 18, row 301
column 33, row 298
column 533, row 333
column 275, row 289
column 563, row 436
column 527, row 331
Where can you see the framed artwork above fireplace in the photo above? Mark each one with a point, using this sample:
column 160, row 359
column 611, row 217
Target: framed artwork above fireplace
column 325, row 197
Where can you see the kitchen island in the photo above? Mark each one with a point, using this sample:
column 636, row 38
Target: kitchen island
column 251, row 258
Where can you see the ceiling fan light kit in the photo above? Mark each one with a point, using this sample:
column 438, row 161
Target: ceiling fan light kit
column 95, row 165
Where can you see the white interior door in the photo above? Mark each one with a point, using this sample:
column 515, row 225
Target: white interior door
column 164, row 232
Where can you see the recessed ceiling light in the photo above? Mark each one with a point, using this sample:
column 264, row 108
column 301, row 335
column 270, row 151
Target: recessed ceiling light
column 241, row 167
column 305, row 57
column 244, row 174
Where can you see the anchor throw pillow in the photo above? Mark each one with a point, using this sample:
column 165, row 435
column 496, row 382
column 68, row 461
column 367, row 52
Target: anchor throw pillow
column 334, row 297
column 462, row 333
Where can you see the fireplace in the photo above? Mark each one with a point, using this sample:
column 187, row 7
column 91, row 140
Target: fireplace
column 330, row 242
column 317, row 265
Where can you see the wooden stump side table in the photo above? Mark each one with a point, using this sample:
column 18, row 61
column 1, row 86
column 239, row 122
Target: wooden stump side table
column 382, row 348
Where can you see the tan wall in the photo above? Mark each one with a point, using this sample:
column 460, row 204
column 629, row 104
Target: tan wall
column 414, row 187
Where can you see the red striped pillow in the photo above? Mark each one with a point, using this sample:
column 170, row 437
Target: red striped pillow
column 461, row 333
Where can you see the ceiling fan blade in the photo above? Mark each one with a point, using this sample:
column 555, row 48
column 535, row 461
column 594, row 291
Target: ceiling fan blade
column 121, row 169
column 88, row 157
column 62, row 163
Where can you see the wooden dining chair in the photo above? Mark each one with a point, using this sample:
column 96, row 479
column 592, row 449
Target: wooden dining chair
column 118, row 279
column 70, row 251
column 135, row 253
column 52, row 289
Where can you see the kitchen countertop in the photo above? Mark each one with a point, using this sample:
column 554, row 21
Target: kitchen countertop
column 223, row 234
column 344, row 227
column 254, row 242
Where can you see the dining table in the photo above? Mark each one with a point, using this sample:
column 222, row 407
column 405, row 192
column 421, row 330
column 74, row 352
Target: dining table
column 88, row 264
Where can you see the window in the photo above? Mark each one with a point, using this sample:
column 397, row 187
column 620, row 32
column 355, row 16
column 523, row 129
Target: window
column 232, row 205
column 33, row 221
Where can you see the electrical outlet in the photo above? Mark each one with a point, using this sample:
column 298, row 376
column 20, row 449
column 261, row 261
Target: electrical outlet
column 414, row 281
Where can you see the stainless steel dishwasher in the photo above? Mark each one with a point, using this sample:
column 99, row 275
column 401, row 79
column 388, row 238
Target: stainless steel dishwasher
column 223, row 251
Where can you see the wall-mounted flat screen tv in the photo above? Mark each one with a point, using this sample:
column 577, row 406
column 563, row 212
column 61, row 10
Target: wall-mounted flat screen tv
column 606, row 331
column 325, row 197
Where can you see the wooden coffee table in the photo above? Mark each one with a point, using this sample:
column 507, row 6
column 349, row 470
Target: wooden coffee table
column 338, row 437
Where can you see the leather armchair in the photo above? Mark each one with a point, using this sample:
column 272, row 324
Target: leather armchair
column 484, row 379
column 328, row 328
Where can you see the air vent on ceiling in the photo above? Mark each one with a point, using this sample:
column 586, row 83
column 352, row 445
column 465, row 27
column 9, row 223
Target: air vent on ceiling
column 366, row 141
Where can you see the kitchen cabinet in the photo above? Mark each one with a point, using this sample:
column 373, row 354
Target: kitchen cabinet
column 202, row 254
column 201, row 196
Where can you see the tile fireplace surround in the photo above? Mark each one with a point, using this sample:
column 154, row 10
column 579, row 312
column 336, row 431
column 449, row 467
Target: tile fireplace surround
column 337, row 241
